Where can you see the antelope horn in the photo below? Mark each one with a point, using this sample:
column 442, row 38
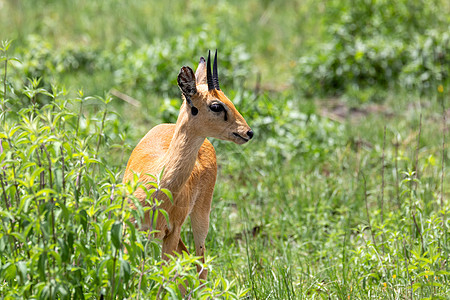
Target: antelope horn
column 209, row 77
column 215, row 75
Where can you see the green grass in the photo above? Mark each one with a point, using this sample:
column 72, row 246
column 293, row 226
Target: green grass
column 291, row 210
column 310, row 210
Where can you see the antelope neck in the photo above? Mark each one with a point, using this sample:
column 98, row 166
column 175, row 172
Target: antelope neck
column 180, row 158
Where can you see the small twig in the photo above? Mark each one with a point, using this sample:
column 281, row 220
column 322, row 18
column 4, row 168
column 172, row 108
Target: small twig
column 126, row 98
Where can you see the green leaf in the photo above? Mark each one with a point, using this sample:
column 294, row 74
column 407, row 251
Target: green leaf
column 125, row 270
column 63, row 291
column 56, row 256
column 42, row 265
column 164, row 213
column 84, row 219
column 64, row 249
column 10, row 272
column 106, row 228
column 22, row 268
column 168, row 194
column 116, row 234
column 111, row 208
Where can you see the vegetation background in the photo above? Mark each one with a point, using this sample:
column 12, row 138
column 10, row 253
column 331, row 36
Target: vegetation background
column 342, row 194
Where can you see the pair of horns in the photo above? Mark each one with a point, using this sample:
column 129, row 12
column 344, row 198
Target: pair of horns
column 213, row 80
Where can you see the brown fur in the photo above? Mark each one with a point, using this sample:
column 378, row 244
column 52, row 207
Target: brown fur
column 189, row 162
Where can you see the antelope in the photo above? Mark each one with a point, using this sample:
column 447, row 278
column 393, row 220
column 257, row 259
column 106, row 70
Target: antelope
column 187, row 158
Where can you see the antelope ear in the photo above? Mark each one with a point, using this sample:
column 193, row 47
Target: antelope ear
column 186, row 81
column 200, row 74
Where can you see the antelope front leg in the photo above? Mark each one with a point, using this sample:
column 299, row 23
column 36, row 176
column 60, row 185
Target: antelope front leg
column 170, row 243
column 200, row 224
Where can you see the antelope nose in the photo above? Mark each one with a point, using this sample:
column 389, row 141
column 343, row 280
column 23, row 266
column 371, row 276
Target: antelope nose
column 250, row 134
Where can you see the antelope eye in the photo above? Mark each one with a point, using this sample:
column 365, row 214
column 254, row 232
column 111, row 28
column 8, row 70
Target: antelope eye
column 216, row 107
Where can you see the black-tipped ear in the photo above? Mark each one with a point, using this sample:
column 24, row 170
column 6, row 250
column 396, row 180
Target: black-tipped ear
column 186, row 82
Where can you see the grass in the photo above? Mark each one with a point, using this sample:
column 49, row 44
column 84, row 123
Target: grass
column 308, row 225
column 333, row 198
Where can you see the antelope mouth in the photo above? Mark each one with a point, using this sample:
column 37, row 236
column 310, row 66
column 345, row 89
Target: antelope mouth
column 240, row 137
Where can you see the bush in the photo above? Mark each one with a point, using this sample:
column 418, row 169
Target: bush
column 65, row 230
column 139, row 70
column 378, row 43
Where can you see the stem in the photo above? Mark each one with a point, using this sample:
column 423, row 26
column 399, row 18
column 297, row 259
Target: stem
column 114, row 275
column 406, row 267
column 111, row 199
column 4, row 89
column 5, row 46
column 51, row 197
column 413, row 185
column 382, row 186
column 77, row 183
column 444, row 216
column 397, row 187
column 420, row 233
column 5, row 198
column 44, row 148
column 63, row 176
column 417, row 150
column 4, row 80
column 367, row 210
column 140, row 278
column 101, row 132
column 41, row 175
column 443, row 158
column 79, row 116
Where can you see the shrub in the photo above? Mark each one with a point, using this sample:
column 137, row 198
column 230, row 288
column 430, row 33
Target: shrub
column 65, row 230
column 378, row 43
column 139, row 70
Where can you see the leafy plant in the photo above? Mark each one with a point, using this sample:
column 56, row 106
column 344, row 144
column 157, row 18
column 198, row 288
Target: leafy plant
column 378, row 43
column 66, row 229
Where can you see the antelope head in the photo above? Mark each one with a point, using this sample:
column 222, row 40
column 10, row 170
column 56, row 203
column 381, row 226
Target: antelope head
column 210, row 112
